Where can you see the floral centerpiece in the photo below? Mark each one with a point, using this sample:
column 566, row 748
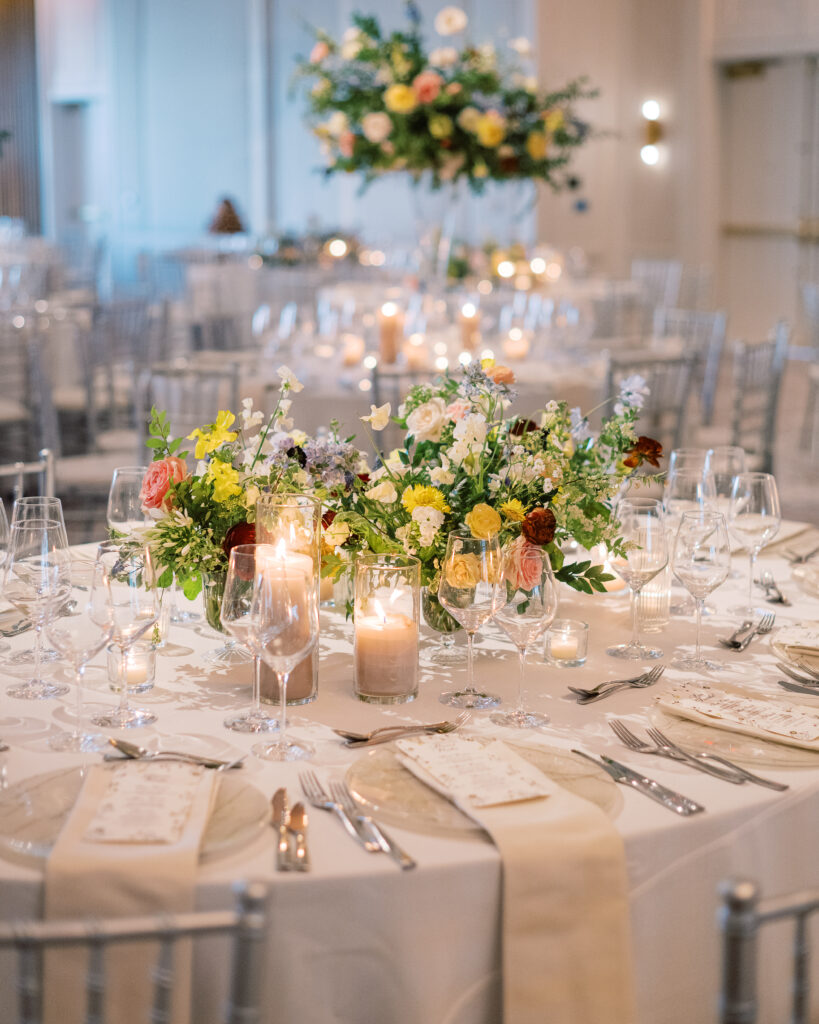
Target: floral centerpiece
column 382, row 102
column 464, row 464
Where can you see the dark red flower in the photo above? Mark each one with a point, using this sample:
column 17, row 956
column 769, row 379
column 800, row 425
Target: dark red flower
column 539, row 526
column 522, row 426
column 646, row 450
column 240, row 533
column 327, row 518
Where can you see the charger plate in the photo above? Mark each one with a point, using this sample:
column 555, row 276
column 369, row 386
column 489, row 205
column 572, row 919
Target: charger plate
column 33, row 812
column 393, row 794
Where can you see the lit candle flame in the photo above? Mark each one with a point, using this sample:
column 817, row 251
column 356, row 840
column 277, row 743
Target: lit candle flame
column 389, row 309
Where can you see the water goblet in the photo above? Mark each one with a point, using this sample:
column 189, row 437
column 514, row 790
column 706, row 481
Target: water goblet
column 643, row 533
column 471, row 589
column 531, row 604
column 237, row 602
column 124, row 512
column 134, row 608
column 725, row 462
column 688, row 486
column 754, row 518
column 702, row 561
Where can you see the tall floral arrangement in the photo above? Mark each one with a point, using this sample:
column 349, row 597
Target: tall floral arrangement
column 383, row 102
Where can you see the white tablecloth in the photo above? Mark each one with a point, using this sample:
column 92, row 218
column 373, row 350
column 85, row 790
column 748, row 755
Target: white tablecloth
column 357, row 940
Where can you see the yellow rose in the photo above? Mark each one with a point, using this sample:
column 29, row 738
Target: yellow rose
column 483, row 521
column 554, row 120
column 400, row 99
column 490, row 130
column 536, row 145
column 463, row 572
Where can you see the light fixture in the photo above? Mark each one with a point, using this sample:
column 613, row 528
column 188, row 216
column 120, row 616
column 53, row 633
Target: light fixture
column 650, row 155
column 652, row 133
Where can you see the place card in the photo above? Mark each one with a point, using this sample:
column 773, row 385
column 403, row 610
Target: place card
column 474, row 772
column 145, row 802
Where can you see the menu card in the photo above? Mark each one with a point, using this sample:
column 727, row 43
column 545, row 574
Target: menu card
column 472, row 771
column 778, row 721
column 145, row 802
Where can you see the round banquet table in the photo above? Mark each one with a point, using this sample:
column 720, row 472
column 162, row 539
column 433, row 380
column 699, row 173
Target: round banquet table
column 357, row 940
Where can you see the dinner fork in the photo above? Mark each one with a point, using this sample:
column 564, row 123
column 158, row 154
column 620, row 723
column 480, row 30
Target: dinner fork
column 660, row 739
column 810, row 678
column 581, row 692
column 648, row 679
column 321, row 799
column 393, row 732
column 765, row 625
column 387, row 844
column 633, row 742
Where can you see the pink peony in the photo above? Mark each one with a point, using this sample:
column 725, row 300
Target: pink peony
column 523, row 564
column 157, row 481
column 319, row 52
column 346, row 143
column 426, row 86
column 458, row 409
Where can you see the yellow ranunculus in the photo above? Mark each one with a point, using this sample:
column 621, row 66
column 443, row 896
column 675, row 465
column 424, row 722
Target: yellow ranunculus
column 483, row 521
column 514, row 510
column 490, row 129
column 400, row 99
column 225, row 480
column 431, row 497
column 536, row 145
column 464, row 571
column 554, row 120
column 440, row 126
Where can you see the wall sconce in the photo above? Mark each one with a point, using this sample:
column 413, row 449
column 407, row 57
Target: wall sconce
column 652, row 133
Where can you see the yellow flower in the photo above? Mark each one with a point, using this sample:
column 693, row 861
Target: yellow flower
column 514, row 510
column 480, row 170
column 490, row 129
column 554, row 120
column 463, row 571
column 210, row 441
column 487, row 363
column 468, row 119
column 400, row 99
column 430, row 497
column 483, row 521
column 225, row 480
column 536, row 145
column 440, row 126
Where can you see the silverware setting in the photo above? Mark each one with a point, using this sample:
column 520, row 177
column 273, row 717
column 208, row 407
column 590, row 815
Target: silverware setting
column 626, row 776
column 798, row 559
column 764, row 626
column 298, row 829
column 392, row 732
column 806, row 676
column 610, row 686
column 385, row 842
column 786, row 684
column 134, row 752
column 772, row 591
column 291, row 848
column 655, row 734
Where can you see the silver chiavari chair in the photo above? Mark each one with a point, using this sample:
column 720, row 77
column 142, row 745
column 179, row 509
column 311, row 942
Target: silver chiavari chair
column 246, row 925
column 668, row 379
column 659, row 279
column 703, row 335
column 42, row 469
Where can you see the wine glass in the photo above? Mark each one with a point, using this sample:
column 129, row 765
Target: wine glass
column 754, row 517
column 124, row 513
column 134, row 608
column 688, row 486
column 702, row 561
column 643, row 533
column 725, row 462
column 284, row 630
column 4, row 547
column 79, row 646
column 686, row 458
column 37, row 584
column 471, row 591
column 237, row 602
column 531, row 605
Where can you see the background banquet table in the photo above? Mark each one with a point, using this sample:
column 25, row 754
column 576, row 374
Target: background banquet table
column 358, row 940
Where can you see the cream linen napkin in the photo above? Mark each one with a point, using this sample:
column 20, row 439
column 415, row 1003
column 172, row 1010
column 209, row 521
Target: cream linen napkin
column 565, row 919
column 87, row 879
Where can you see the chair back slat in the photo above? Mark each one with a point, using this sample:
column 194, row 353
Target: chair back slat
column 757, row 379
column 29, row 989
column 95, row 980
column 163, row 975
column 669, row 383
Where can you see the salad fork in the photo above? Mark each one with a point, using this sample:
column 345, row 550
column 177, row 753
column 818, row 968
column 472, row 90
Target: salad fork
column 386, row 843
column 765, row 625
column 393, row 732
column 321, row 799
column 660, row 739
column 647, row 679
column 628, row 738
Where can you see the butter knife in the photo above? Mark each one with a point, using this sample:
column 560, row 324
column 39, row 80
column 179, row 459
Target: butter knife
column 648, row 787
column 280, row 820
column 298, row 828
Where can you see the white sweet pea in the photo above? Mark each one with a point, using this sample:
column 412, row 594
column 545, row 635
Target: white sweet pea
column 379, row 416
column 441, row 475
column 429, row 522
column 290, row 382
column 427, row 421
column 383, row 492
column 450, row 20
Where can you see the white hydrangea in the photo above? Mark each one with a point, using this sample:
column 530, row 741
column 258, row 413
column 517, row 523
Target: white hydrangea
column 429, row 522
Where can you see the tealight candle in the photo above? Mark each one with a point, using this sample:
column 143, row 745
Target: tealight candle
column 140, row 667
column 415, row 352
column 567, row 642
column 469, row 320
column 516, row 344
column 391, row 326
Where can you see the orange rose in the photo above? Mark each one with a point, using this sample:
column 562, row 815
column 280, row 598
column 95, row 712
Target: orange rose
column 501, row 375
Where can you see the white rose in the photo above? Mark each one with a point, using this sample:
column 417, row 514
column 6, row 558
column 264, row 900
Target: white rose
column 383, row 492
column 472, row 428
column 350, row 50
column 376, row 126
column 429, row 522
column 426, row 423
column 336, row 533
column 443, row 57
column 450, row 20
column 379, row 416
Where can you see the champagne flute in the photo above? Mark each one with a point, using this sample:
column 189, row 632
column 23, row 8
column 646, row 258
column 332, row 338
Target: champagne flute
column 726, row 462
column 284, row 630
column 37, row 584
column 702, row 561
column 134, row 609
column 237, row 602
column 643, row 533
column 754, row 518
column 124, row 513
column 471, row 590
column 531, row 605
column 78, row 647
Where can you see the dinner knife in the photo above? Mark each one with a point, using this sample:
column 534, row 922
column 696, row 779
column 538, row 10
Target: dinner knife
column 648, row 787
column 280, row 820
column 298, row 828
column 388, row 844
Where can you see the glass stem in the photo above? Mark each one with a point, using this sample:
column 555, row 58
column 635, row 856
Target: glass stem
column 79, row 672
column 257, row 686
column 469, row 668
column 283, row 677
column 123, row 679
column 522, row 652
column 635, row 619
column 38, row 652
column 699, row 603
column 751, row 571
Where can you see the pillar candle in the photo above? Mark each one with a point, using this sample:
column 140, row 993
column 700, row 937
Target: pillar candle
column 469, row 320
column 391, row 326
column 386, row 655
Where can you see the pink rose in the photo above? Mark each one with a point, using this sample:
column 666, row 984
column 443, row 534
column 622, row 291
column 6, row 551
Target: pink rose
column 426, row 86
column 319, row 52
column 346, row 142
column 523, row 564
column 157, row 481
column 458, row 409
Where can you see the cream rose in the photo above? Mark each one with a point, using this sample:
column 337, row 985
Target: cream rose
column 427, row 421
column 383, row 492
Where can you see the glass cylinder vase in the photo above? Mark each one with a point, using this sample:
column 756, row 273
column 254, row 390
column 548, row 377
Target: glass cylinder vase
column 387, row 618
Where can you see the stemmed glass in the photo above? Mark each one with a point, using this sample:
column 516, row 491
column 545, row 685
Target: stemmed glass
column 134, row 608
column 471, row 590
column 702, row 561
column 4, row 547
column 37, row 583
column 79, row 646
column 531, row 605
column 754, row 517
column 124, row 513
column 688, row 486
column 643, row 532
column 284, row 629
column 725, row 462
column 237, row 602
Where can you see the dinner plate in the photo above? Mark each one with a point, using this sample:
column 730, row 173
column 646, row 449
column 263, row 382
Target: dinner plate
column 392, row 793
column 33, row 812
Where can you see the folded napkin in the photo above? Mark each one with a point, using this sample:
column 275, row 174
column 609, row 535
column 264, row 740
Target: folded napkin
column 791, row 534
column 565, row 924
column 130, row 847
column 728, row 708
column 798, row 643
